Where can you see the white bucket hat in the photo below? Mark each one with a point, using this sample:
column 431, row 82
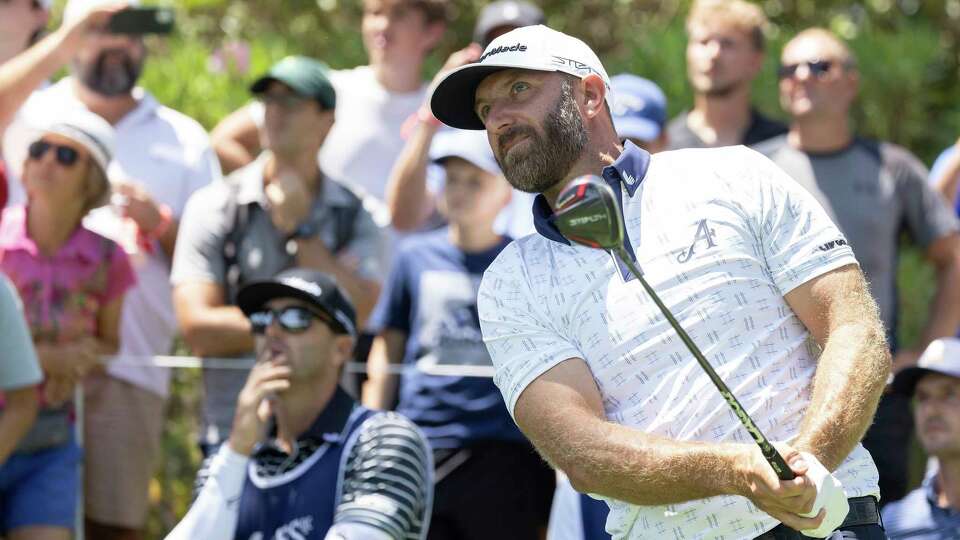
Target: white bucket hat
column 88, row 130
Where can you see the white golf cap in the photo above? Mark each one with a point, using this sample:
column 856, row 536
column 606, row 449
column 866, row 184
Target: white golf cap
column 941, row 356
column 469, row 145
column 76, row 9
column 88, row 130
column 536, row 48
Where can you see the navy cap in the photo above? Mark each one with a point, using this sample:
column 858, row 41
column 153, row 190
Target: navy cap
column 639, row 107
column 315, row 288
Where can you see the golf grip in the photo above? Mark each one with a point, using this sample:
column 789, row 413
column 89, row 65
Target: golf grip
column 773, row 457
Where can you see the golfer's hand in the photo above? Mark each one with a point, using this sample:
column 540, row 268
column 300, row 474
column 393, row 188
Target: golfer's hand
column 253, row 406
column 784, row 500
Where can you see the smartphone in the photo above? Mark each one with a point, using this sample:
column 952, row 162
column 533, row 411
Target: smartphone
column 142, row 20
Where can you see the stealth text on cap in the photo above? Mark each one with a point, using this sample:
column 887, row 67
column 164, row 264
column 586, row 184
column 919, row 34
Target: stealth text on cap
column 503, row 49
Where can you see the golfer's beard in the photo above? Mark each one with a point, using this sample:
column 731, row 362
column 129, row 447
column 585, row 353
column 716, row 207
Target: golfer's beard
column 111, row 78
column 545, row 160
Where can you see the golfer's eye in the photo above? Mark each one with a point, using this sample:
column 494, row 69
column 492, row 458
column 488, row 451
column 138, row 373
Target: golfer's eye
column 518, row 87
column 482, row 112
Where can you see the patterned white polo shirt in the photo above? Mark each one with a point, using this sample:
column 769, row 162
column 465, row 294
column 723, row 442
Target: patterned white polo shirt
column 722, row 235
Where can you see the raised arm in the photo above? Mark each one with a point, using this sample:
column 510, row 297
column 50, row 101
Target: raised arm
column 408, row 199
column 236, row 140
column 837, row 309
column 25, row 72
column 943, row 317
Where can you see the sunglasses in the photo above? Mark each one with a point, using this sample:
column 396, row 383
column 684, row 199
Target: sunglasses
column 65, row 155
column 292, row 319
column 817, row 68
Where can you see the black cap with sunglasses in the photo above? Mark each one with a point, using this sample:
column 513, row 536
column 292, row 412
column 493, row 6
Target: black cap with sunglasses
column 315, row 288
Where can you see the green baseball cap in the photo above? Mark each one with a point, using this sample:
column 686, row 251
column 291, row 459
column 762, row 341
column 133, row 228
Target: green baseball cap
column 305, row 76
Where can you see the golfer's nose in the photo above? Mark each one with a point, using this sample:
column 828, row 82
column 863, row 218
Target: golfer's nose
column 500, row 117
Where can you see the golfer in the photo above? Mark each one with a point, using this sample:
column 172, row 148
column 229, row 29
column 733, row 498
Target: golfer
column 748, row 262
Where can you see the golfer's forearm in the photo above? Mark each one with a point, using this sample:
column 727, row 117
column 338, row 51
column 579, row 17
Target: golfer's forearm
column 619, row 462
column 850, row 378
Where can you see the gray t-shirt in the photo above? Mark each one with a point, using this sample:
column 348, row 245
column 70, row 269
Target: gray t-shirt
column 760, row 129
column 19, row 367
column 873, row 191
column 261, row 254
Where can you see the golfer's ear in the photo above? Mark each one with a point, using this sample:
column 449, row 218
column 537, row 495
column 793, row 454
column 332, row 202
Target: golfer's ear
column 594, row 94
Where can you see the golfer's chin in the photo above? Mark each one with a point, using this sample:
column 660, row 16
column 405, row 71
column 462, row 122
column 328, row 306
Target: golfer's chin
column 529, row 185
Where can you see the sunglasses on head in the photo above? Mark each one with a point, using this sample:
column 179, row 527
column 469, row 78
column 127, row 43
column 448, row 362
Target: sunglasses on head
column 817, row 68
column 293, row 319
column 65, row 155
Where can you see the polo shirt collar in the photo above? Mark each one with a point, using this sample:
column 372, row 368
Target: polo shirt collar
column 251, row 189
column 626, row 173
column 78, row 246
column 329, row 424
column 146, row 108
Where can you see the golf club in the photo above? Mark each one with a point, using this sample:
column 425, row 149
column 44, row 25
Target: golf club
column 588, row 213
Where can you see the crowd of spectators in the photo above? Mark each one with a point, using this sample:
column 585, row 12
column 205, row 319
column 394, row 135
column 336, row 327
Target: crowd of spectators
column 125, row 224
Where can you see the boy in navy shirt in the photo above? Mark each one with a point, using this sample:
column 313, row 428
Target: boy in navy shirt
column 490, row 481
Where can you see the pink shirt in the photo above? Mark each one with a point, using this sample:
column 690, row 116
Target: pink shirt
column 62, row 294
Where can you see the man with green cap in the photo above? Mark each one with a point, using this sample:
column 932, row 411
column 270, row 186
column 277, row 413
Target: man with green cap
column 277, row 212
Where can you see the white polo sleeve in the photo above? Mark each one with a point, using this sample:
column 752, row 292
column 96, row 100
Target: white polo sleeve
column 213, row 516
column 522, row 340
column 794, row 234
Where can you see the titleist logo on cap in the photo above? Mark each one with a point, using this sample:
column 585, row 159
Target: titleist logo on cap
column 303, row 285
column 503, row 49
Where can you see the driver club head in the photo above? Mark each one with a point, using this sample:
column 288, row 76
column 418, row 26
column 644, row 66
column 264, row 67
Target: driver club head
column 588, row 213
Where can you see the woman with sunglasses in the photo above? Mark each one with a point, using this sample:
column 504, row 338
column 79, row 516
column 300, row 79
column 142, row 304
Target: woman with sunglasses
column 72, row 282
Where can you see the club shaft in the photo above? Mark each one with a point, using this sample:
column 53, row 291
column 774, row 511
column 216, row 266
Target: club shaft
column 771, row 454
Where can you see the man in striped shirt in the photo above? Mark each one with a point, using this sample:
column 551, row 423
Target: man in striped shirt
column 304, row 460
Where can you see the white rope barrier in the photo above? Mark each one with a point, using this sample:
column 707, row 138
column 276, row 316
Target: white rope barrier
column 245, row 363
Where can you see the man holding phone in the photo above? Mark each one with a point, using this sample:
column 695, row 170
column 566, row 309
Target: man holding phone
column 161, row 158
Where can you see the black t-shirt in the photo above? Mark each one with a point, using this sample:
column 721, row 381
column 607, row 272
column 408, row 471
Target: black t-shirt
column 761, row 128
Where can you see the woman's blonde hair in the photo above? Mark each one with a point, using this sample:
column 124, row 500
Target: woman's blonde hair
column 97, row 187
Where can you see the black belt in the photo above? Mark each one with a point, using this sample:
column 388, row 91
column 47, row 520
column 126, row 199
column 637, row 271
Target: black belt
column 863, row 511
